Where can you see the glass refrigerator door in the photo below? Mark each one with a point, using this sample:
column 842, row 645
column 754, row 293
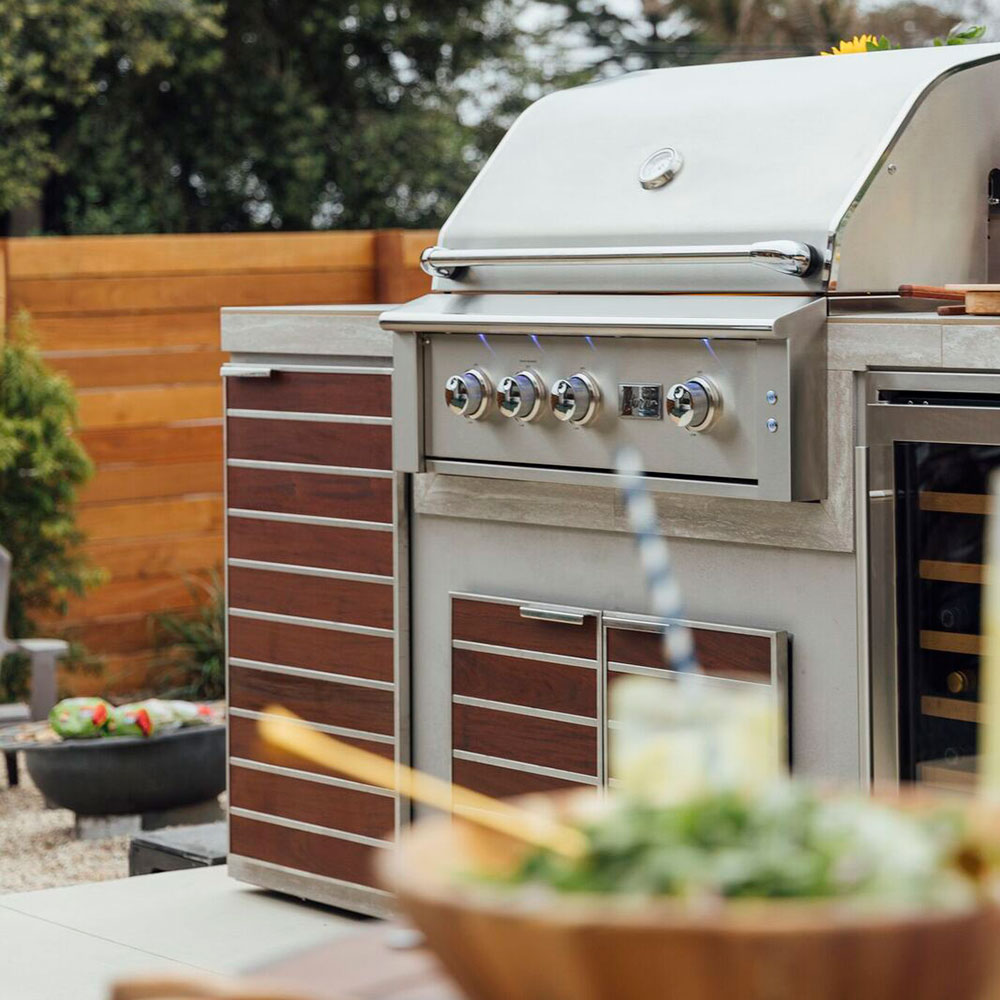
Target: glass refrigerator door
column 941, row 503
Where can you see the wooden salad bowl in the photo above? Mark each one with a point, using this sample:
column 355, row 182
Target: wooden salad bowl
column 526, row 943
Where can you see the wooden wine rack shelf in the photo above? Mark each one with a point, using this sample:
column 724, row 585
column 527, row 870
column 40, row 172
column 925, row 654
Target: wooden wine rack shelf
column 950, row 708
column 955, row 503
column 951, row 642
column 952, row 572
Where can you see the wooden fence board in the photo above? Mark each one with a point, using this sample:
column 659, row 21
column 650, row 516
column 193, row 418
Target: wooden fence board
column 40, row 296
column 121, row 674
column 142, row 595
column 145, row 406
column 147, row 482
column 134, row 558
column 236, row 253
column 127, row 331
column 169, row 443
column 151, row 518
column 136, row 368
column 132, row 633
column 133, row 322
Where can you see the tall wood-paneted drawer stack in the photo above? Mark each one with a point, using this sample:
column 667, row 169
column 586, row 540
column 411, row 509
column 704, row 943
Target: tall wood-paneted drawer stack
column 526, row 696
column 314, row 518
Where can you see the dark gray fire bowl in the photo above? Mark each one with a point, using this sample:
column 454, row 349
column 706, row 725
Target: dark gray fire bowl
column 127, row 775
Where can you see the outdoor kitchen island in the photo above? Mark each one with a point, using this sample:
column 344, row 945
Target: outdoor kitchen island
column 520, row 601
column 428, row 550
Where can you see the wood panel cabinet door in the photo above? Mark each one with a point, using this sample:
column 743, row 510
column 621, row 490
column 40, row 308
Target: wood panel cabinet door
column 314, row 600
column 526, row 696
column 726, row 654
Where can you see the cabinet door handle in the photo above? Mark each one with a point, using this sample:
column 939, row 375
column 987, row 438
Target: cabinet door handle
column 564, row 617
column 245, row 371
column 635, row 624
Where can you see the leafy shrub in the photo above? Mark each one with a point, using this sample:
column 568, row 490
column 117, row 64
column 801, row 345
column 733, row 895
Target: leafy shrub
column 197, row 642
column 42, row 465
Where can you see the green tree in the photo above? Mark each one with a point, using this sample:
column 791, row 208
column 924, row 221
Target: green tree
column 679, row 32
column 301, row 114
column 41, row 466
column 50, row 51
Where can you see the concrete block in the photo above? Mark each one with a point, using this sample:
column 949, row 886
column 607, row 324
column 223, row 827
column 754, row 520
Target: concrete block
column 196, row 814
column 102, row 827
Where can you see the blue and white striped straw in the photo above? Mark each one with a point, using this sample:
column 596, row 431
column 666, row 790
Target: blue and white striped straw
column 664, row 591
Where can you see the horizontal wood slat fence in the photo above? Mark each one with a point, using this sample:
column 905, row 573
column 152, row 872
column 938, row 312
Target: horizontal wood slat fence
column 133, row 321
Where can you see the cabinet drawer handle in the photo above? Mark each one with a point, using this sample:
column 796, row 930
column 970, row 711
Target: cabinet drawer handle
column 635, row 625
column 553, row 615
column 245, row 371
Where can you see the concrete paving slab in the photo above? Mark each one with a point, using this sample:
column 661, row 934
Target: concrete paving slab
column 198, row 917
column 43, row 961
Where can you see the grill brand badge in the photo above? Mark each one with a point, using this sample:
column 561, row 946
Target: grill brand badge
column 660, row 168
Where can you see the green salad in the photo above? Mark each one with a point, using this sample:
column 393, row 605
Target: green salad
column 789, row 842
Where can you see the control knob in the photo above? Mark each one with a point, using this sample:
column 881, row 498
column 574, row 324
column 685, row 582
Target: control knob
column 695, row 404
column 576, row 399
column 468, row 395
column 520, row 396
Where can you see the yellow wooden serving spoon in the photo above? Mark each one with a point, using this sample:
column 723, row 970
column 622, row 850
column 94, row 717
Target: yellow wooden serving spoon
column 284, row 729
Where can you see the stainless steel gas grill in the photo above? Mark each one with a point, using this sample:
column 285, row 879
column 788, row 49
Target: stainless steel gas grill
column 794, row 180
column 701, row 263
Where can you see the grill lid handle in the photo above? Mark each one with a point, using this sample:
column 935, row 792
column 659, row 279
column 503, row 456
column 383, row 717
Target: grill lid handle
column 786, row 256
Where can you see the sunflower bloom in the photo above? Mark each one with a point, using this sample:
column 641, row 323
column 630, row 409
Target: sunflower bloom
column 859, row 43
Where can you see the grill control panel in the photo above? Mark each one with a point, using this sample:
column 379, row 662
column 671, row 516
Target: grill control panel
column 714, row 415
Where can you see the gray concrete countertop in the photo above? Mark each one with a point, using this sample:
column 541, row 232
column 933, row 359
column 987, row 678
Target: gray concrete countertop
column 912, row 340
column 76, row 941
column 350, row 331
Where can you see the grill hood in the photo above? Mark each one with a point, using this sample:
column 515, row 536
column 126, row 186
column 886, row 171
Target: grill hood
column 879, row 163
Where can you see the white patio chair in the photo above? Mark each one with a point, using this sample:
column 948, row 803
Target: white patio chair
column 43, row 654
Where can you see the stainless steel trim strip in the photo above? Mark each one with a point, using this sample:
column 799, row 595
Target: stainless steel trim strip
column 319, row 675
column 649, row 623
column 273, row 616
column 323, row 470
column 319, row 779
column 635, row 624
column 281, row 363
column 230, row 370
column 515, row 602
column 333, row 574
column 524, row 654
column 514, row 765
column 582, row 477
column 401, row 702
column 319, row 418
column 564, row 617
column 309, row 885
column 537, row 713
column 356, row 734
column 786, row 256
column 981, row 383
column 945, row 424
column 282, row 366
column 674, row 675
column 294, row 824
column 332, row 522
column 861, row 567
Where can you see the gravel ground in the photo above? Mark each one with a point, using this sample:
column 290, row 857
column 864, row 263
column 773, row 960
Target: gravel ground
column 38, row 849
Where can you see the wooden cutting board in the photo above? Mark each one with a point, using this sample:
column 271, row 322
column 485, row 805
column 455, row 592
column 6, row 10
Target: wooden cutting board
column 980, row 300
